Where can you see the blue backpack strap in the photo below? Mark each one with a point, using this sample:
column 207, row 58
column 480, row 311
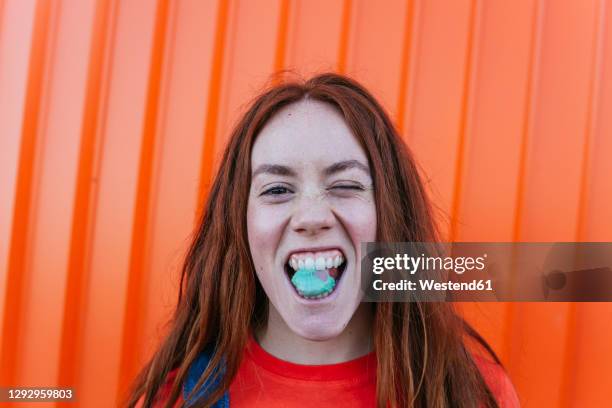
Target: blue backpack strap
column 193, row 375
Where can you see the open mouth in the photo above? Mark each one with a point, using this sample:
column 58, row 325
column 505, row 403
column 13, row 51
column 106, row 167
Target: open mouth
column 315, row 275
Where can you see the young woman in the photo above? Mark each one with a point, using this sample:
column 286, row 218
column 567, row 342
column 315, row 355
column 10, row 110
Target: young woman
column 269, row 311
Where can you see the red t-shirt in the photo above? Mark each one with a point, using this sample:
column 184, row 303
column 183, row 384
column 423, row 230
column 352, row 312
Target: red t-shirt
column 266, row 381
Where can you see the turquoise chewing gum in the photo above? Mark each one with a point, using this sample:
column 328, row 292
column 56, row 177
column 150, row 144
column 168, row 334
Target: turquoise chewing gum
column 308, row 283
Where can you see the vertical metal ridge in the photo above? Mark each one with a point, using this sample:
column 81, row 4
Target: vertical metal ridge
column 2, row 5
column 212, row 115
column 136, row 282
column 529, row 112
column 345, row 29
column 568, row 387
column 98, row 74
column 526, row 133
column 406, row 63
column 593, row 103
column 281, row 37
column 466, row 108
column 24, row 190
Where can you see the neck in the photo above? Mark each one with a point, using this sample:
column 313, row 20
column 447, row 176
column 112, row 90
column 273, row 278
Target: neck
column 355, row 341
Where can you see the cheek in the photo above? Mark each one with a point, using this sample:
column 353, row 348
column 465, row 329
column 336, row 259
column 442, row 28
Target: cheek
column 359, row 217
column 265, row 227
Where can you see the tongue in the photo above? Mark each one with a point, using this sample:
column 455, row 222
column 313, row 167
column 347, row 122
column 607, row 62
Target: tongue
column 310, row 282
column 322, row 275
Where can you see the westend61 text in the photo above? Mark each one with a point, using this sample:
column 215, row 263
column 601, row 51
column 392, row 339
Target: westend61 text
column 430, row 284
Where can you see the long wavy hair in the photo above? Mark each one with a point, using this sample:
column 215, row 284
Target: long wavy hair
column 422, row 351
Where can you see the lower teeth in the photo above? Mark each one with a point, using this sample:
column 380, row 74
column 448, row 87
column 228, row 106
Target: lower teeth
column 321, row 296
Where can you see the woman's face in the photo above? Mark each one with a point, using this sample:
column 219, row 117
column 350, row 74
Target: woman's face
column 310, row 206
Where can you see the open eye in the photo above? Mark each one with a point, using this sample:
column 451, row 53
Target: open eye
column 276, row 191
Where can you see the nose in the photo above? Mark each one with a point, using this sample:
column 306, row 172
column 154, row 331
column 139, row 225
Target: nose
column 311, row 216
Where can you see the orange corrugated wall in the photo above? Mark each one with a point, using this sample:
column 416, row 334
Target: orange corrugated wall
column 113, row 112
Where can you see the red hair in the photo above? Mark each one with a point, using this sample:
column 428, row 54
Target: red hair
column 422, row 357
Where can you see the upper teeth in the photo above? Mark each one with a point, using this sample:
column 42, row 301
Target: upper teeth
column 309, row 261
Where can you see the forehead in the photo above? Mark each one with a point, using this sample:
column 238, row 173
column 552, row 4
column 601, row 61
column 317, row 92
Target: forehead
column 307, row 130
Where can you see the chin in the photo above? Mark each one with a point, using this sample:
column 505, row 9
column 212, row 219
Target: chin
column 318, row 333
column 319, row 328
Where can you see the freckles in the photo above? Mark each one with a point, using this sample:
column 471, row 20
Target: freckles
column 263, row 221
column 366, row 199
column 265, row 227
column 357, row 214
column 359, row 219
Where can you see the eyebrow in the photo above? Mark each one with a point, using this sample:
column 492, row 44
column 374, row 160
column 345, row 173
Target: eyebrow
column 346, row 165
column 280, row 170
column 275, row 169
